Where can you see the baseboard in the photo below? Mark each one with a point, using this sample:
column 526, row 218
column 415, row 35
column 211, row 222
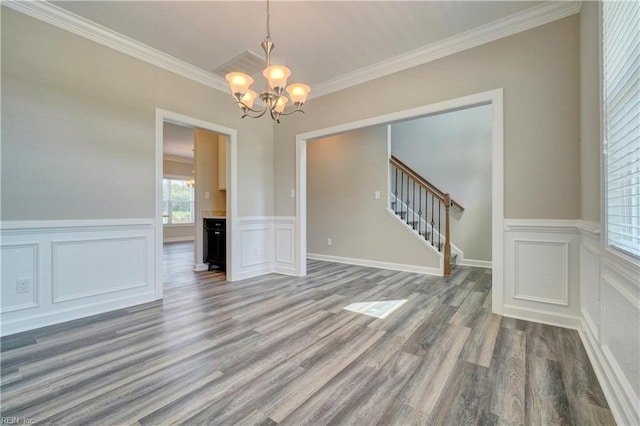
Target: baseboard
column 255, row 271
column 620, row 405
column 286, row 270
column 476, row 263
column 177, row 239
column 199, row 267
column 377, row 264
column 50, row 318
column 543, row 317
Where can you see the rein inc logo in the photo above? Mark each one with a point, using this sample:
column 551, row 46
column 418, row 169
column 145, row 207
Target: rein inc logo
column 17, row 421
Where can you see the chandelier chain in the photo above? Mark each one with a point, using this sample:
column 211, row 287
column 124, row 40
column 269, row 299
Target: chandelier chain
column 268, row 24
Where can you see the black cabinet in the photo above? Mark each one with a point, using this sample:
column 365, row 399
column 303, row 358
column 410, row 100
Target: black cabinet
column 215, row 243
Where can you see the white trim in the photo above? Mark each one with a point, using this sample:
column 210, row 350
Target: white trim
column 564, row 262
column 589, row 228
column 562, row 226
column 493, row 97
column 513, row 24
column 629, row 271
column 233, row 248
column 55, row 253
column 542, row 316
column 618, row 398
column 68, row 21
column 475, row 263
column 199, row 267
column 11, row 227
column 507, row 26
column 588, row 324
column 376, row 264
column 35, row 280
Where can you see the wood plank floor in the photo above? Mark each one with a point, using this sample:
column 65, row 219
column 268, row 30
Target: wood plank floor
column 282, row 350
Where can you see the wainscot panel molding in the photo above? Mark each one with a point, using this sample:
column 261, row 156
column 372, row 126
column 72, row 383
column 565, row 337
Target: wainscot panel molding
column 285, row 241
column 476, row 263
column 266, row 245
column 619, row 339
column 542, row 271
column 377, row 264
column 70, row 269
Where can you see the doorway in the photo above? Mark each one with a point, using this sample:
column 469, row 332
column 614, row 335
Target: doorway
column 493, row 98
column 230, row 139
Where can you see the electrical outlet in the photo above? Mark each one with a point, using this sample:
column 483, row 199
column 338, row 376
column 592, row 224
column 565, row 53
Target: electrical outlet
column 376, row 195
column 207, row 195
column 293, row 193
column 329, row 242
column 23, row 285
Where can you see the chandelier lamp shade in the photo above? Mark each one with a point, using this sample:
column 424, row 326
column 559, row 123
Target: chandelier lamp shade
column 273, row 99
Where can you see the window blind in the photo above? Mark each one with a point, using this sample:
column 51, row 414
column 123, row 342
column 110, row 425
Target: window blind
column 621, row 86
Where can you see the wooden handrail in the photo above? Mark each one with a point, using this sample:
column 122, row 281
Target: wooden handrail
column 442, row 196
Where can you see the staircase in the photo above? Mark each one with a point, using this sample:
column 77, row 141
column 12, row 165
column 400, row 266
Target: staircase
column 424, row 208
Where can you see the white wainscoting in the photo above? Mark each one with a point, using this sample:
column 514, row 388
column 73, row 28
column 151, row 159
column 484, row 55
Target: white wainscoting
column 542, row 274
column 611, row 326
column 285, row 245
column 74, row 269
column 590, row 280
column 266, row 245
column 557, row 272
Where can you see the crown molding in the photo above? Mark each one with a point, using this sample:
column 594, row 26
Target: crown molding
column 68, row 21
column 513, row 24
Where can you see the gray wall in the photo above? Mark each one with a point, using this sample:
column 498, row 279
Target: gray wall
column 589, row 113
column 453, row 152
column 78, row 128
column 538, row 70
column 343, row 173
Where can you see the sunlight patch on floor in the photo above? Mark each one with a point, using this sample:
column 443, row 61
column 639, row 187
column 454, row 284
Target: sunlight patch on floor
column 378, row 309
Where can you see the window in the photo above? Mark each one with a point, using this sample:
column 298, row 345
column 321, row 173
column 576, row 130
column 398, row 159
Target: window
column 621, row 96
column 177, row 201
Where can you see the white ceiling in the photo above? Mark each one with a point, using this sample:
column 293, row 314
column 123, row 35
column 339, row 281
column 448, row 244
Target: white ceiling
column 319, row 40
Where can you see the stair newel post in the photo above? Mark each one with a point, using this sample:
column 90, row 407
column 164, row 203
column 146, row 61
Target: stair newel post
column 447, row 238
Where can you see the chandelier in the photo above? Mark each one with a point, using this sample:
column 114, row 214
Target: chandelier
column 272, row 97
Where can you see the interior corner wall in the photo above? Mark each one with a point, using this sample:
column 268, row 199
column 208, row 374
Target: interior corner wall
column 78, row 128
column 538, row 71
column 590, row 131
column 343, row 173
